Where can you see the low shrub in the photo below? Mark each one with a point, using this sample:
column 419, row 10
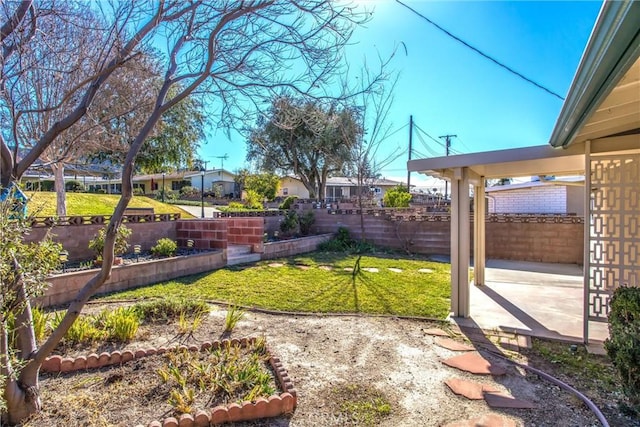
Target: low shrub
column 121, row 245
column 623, row 344
column 165, row 247
column 306, row 221
column 189, row 191
column 138, row 191
column 342, row 242
column 234, row 315
column 288, row 202
column 252, row 200
column 289, row 223
column 74, row 186
column 397, row 197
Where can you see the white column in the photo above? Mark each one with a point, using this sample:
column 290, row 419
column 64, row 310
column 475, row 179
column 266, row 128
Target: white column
column 460, row 236
column 479, row 254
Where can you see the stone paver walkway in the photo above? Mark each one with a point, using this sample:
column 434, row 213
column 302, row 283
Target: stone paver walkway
column 472, row 361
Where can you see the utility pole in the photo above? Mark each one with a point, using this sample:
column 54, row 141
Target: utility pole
column 447, row 139
column 410, row 148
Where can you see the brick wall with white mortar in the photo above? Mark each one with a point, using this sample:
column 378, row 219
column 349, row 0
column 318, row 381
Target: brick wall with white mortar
column 549, row 199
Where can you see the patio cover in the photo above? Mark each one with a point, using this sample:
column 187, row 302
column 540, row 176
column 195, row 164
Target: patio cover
column 601, row 114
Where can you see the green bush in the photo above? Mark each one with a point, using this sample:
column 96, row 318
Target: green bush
column 74, row 186
column 397, row 197
column 289, row 224
column 122, row 235
column 623, row 344
column 236, row 206
column 168, row 195
column 253, row 200
column 138, row 191
column 165, row 247
column 288, row 202
column 306, row 221
column 189, row 191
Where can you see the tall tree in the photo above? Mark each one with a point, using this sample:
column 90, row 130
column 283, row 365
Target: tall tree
column 173, row 144
column 236, row 52
column 305, row 138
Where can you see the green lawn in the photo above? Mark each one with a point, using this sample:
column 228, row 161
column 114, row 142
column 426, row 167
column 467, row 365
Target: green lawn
column 318, row 288
column 43, row 203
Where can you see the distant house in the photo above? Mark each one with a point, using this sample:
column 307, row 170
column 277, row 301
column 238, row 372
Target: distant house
column 562, row 196
column 337, row 188
column 216, row 179
column 292, row 186
column 177, row 180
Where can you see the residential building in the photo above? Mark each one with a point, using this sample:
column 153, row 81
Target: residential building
column 554, row 196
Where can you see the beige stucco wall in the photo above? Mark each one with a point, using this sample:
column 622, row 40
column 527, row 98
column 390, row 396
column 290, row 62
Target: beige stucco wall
column 294, row 188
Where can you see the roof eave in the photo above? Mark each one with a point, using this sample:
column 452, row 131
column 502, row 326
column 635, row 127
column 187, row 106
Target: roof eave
column 613, row 47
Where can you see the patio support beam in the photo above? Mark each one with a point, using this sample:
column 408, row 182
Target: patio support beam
column 460, row 245
column 479, row 214
column 586, row 265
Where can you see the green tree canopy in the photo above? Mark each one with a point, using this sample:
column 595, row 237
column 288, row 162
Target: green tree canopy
column 397, row 197
column 265, row 185
column 305, row 138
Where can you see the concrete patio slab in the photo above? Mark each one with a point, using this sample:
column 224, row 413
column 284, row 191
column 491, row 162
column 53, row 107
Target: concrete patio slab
column 536, row 299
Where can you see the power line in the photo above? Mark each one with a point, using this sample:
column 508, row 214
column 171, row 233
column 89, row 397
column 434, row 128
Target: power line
column 490, row 58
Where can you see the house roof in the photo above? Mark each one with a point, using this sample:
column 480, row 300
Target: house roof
column 604, row 97
column 209, row 172
column 346, row 181
column 158, row 176
column 569, row 181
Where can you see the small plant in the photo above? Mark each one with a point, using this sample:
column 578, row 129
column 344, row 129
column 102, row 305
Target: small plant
column 121, row 245
column 288, row 202
column 362, row 405
column 165, row 248
column 121, row 324
column 40, row 320
column 623, row 344
column 163, row 310
column 188, row 324
column 189, row 191
column 306, row 221
column 234, row 315
column 289, row 223
column 82, row 331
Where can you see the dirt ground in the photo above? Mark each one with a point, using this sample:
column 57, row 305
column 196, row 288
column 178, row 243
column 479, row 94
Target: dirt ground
column 395, row 356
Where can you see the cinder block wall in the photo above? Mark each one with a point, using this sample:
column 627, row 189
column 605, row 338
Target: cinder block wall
column 526, row 241
column 75, row 238
column 534, row 241
column 246, row 231
column 205, row 233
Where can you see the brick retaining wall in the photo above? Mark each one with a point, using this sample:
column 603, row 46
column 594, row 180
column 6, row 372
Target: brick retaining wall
column 205, row 233
column 75, row 238
column 288, row 248
column 246, row 231
column 64, row 287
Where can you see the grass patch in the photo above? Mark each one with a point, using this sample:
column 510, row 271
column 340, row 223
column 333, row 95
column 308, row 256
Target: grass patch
column 43, row 203
column 593, row 371
column 319, row 282
column 361, row 405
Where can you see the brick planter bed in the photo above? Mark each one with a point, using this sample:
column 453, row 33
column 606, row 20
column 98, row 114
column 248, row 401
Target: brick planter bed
column 274, row 406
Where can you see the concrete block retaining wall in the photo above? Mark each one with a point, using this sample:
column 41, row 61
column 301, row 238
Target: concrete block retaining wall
column 288, row 248
column 64, row 287
column 75, row 238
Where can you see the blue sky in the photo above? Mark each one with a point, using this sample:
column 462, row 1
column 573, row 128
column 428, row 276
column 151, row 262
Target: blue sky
column 450, row 89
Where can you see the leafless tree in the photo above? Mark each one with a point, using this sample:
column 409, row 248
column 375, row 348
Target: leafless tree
column 367, row 159
column 240, row 53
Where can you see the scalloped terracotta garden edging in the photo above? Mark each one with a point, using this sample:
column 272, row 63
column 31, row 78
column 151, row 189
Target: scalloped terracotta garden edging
column 274, row 406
